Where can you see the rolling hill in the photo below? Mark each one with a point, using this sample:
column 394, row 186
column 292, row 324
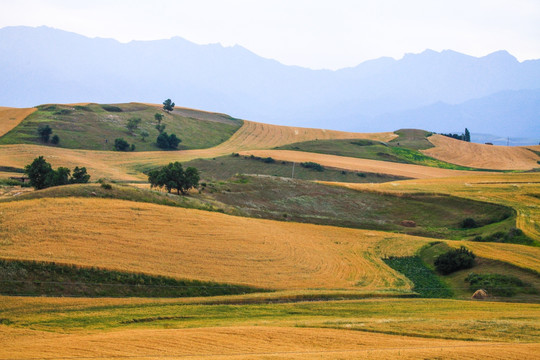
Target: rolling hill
column 263, row 266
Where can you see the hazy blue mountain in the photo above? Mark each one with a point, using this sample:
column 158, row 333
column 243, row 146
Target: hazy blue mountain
column 44, row 65
column 508, row 114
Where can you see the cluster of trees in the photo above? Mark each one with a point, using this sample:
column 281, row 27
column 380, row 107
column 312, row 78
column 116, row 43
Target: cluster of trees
column 45, row 132
column 173, row 176
column 163, row 141
column 464, row 137
column 42, row 175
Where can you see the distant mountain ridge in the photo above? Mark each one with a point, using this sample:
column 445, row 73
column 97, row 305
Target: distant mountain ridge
column 45, row 65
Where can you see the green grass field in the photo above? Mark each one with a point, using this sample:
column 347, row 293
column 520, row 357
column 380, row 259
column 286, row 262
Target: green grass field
column 403, row 149
column 225, row 167
column 94, row 128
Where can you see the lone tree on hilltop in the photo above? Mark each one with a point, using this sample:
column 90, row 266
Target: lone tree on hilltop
column 173, row 176
column 168, row 105
column 467, row 136
column 44, row 132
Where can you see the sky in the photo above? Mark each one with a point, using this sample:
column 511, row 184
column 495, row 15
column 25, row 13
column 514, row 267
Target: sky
column 319, row 34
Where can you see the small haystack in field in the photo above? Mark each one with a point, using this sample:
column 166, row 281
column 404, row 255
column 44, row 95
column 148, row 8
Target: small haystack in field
column 408, row 223
column 480, row 294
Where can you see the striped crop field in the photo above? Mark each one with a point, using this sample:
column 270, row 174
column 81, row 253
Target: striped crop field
column 373, row 329
column 11, row 117
column 480, row 155
column 193, row 244
column 357, row 164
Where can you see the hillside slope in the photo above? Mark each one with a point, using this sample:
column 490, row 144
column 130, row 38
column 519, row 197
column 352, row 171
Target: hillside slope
column 11, row 117
column 480, row 155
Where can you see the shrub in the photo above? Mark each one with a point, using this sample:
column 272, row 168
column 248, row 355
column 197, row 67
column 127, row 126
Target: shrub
column 106, row 186
column 312, row 165
column 133, row 123
column 454, row 260
column 55, row 140
column 121, row 145
column 63, row 112
column 269, row 160
column 514, row 236
column 469, row 223
column 111, row 108
column 44, row 132
column 496, row 284
column 362, row 175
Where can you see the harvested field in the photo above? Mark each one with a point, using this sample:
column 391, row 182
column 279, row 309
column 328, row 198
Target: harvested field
column 356, row 164
column 11, row 117
column 194, row 244
column 248, row 343
column 126, row 166
column 481, row 156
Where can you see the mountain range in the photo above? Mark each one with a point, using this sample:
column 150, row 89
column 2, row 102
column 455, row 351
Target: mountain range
column 437, row 91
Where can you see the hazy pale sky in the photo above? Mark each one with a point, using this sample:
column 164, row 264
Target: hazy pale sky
column 310, row 33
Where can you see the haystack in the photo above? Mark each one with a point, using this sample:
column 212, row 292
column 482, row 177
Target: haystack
column 408, row 223
column 480, row 294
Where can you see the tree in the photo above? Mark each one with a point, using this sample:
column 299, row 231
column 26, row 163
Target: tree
column 467, row 136
column 158, row 117
column 44, row 132
column 59, row 177
column 168, row 105
column 121, row 145
column 80, row 176
column 55, row 140
column 166, row 141
column 144, row 135
column 173, row 176
column 38, row 173
column 133, row 124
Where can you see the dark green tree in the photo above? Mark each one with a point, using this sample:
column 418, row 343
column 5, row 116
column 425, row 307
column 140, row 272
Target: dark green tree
column 44, row 132
column 467, row 136
column 168, row 105
column 55, row 139
column 39, row 173
column 59, row 177
column 173, row 176
column 167, row 142
column 158, row 117
column 121, row 145
column 79, row 176
column 454, row 260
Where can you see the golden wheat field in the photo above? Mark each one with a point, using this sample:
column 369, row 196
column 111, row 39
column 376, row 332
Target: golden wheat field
column 125, row 166
column 481, row 156
column 11, row 117
column 194, row 244
column 357, row 164
column 261, row 342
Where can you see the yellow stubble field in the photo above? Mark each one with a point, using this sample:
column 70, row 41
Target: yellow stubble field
column 480, row 155
column 200, row 245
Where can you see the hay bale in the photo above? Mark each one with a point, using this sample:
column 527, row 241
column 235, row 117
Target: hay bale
column 480, row 294
column 408, row 223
